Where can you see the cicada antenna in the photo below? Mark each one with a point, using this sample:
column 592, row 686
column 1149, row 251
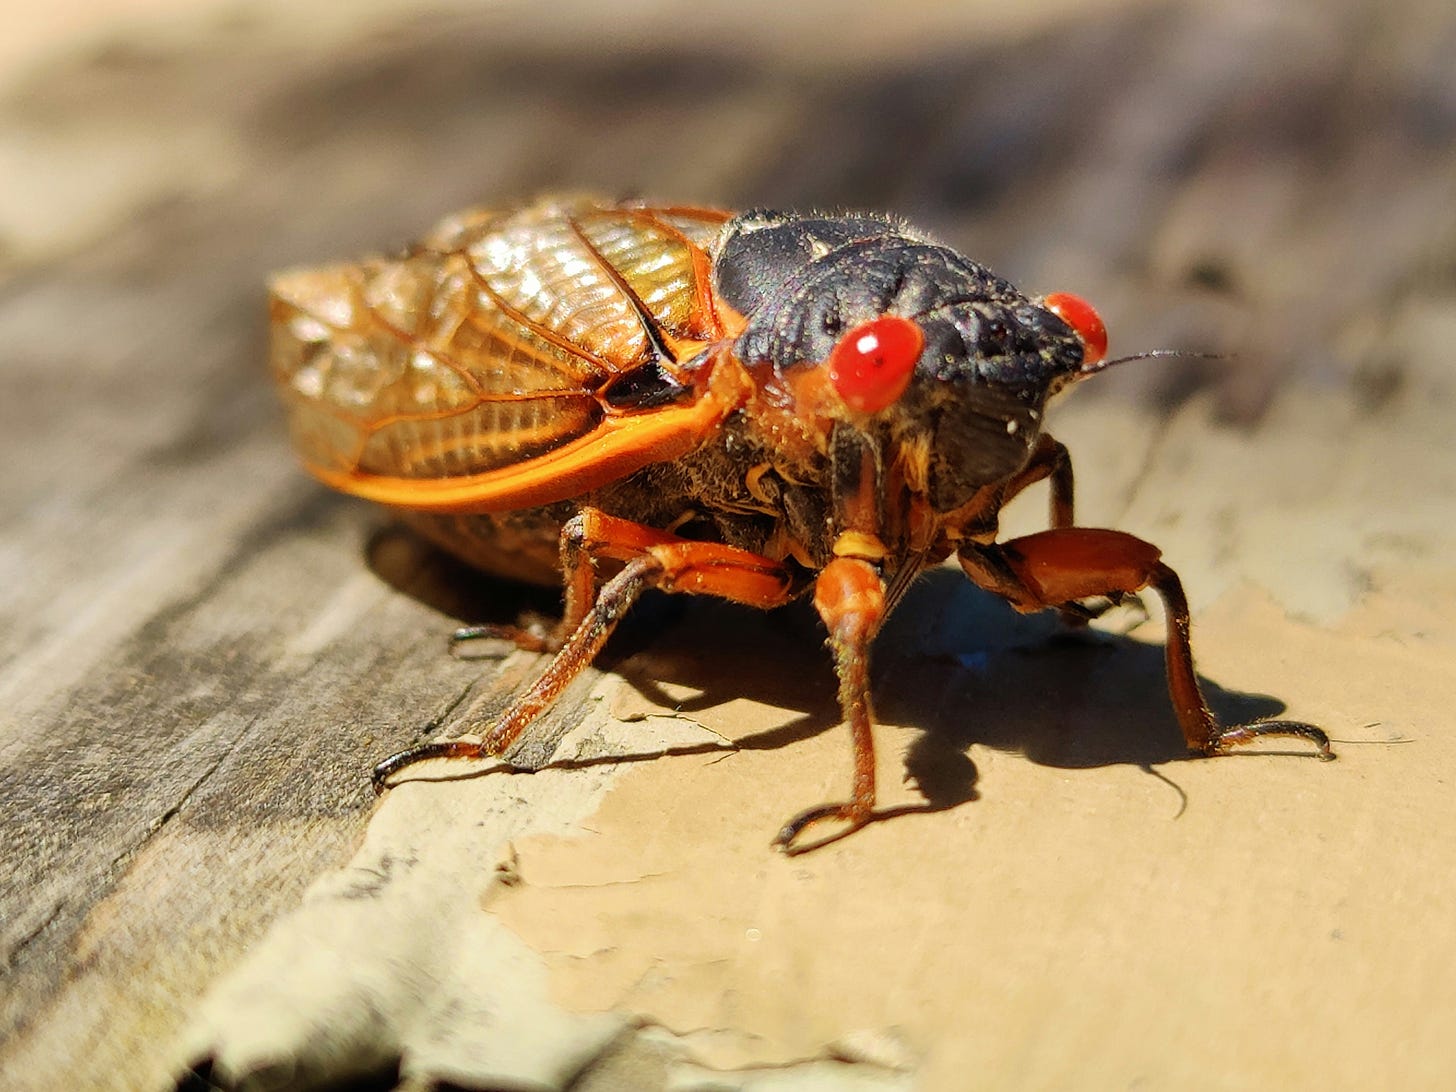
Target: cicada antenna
column 1103, row 365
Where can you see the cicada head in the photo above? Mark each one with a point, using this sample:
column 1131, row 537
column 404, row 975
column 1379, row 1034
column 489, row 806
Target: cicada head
column 907, row 340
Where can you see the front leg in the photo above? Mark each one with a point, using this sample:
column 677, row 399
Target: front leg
column 1051, row 460
column 849, row 595
column 1057, row 567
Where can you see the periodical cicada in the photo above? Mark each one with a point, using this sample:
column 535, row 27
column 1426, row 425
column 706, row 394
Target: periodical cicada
column 627, row 396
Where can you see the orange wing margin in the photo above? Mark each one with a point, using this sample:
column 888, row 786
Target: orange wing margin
column 615, row 448
column 466, row 375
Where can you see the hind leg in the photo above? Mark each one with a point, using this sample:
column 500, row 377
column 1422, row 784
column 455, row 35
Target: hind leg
column 653, row 559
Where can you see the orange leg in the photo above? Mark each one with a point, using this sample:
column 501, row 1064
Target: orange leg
column 1050, row 459
column 654, row 559
column 1057, row 567
column 850, row 597
column 588, row 536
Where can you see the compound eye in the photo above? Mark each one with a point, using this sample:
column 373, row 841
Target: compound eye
column 1085, row 322
column 872, row 363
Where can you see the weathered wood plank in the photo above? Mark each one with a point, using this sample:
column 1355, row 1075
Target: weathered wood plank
column 201, row 652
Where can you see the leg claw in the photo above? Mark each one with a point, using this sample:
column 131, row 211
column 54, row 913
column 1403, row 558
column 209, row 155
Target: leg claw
column 1240, row 734
column 851, row 815
column 452, row 748
column 533, row 637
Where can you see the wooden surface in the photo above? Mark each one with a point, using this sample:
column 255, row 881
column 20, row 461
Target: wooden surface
column 202, row 651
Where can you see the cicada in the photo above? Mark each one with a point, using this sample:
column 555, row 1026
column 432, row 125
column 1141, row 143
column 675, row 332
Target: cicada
column 624, row 396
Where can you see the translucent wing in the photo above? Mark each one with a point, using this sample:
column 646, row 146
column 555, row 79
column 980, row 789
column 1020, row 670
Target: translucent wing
column 470, row 373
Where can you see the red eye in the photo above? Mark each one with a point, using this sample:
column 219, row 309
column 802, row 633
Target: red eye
column 873, row 362
column 1085, row 322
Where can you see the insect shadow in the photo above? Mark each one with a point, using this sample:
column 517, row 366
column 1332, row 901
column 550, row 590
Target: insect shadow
column 954, row 664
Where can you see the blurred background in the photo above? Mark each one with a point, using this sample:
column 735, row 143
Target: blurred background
column 1274, row 183
column 1253, row 165
column 1269, row 181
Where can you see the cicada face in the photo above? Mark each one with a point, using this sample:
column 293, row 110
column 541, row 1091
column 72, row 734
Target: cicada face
column 925, row 350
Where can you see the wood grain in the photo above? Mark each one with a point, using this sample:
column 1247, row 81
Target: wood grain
column 202, row 652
